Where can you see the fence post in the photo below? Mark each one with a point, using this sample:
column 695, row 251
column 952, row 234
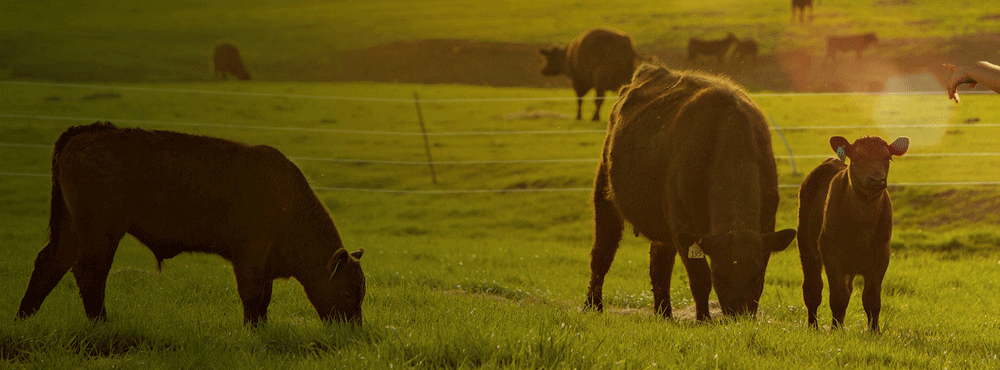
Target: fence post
column 427, row 145
column 791, row 157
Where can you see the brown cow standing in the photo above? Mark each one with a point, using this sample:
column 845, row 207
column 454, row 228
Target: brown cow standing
column 687, row 160
column 714, row 48
column 845, row 223
column 185, row 193
column 800, row 6
column 226, row 59
column 601, row 59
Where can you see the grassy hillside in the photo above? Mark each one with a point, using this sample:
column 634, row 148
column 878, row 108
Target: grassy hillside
column 304, row 40
column 487, row 279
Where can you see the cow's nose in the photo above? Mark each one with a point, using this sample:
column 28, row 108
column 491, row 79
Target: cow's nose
column 878, row 181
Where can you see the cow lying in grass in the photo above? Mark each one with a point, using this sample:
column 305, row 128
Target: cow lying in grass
column 845, row 223
column 687, row 161
column 712, row 48
column 184, row 193
column 855, row 43
column 600, row 59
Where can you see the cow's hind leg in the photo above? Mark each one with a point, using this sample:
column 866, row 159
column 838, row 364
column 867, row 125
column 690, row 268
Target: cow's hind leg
column 661, row 266
column 608, row 228
column 92, row 267
column 812, row 272
column 255, row 292
column 598, row 100
column 52, row 262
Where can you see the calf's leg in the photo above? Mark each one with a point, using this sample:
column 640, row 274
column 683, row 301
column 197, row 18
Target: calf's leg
column 871, row 298
column 840, row 295
column 99, row 242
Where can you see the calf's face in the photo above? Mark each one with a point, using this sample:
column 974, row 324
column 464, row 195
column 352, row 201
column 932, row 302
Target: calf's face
column 340, row 299
column 870, row 156
column 738, row 260
column 555, row 60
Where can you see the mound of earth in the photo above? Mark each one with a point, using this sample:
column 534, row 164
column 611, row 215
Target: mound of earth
column 492, row 63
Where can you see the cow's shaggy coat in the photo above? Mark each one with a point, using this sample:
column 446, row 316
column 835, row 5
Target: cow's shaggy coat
column 845, row 223
column 184, row 193
column 601, row 59
column 687, row 160
column 226, row 60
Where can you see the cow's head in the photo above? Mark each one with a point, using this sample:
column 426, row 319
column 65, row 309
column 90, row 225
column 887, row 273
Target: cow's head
column 738, row 260
column 869, row 167
column 339, row 297
column 555, row 60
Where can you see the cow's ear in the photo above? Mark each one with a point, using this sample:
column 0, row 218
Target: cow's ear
column 841, row 146
column 777, row 241
column 357, row 254
column 899, row 146
column 339, row 256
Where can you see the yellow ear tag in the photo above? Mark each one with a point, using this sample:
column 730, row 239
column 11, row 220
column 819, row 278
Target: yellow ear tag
column 695, row 251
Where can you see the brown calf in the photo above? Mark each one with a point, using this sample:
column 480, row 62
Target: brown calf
column 855, row 43
column 845, row 223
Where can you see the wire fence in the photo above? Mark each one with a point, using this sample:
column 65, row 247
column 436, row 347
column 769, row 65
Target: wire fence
column 429, row 161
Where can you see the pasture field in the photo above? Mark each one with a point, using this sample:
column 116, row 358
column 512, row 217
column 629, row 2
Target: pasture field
column 497, row 279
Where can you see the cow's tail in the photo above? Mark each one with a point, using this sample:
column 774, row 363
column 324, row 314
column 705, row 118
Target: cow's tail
column 57, row 206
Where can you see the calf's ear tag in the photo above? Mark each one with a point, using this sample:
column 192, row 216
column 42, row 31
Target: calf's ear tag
column 695, row 251
column 841, row 154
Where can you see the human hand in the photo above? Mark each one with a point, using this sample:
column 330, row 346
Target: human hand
column 959, row 75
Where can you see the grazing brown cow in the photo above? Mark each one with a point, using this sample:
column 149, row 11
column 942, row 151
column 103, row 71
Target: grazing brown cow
column 855, row 43
column 184, row 193
column 845, row 222
column 745, row 49
column 687, row 161
column 712, row 48
column 800, row 6
column 601, row 59
column 226, row 59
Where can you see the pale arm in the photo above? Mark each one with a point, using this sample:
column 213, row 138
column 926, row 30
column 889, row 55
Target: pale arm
column 981, row 72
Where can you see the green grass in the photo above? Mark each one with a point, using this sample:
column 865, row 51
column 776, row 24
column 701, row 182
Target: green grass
column 497, row 280
column 299, row 40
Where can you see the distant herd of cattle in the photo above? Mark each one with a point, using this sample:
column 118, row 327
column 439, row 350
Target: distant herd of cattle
column 687, row 161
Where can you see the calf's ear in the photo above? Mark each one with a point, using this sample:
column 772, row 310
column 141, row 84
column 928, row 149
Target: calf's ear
column 899, row 146
column 841, row 146
column 777, row 241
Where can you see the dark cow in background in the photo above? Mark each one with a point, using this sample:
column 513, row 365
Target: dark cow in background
column 746, row 49
column 855, row 43
column 845, row 223
column 601, row 59
column 185, row 193
column 226, row 60
column 800, row 7
column 711, row 48
column 687, row 161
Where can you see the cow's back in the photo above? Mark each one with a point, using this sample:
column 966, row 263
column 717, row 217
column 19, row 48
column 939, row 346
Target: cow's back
column 602, row 58
column 668, row 131
column 179, row 192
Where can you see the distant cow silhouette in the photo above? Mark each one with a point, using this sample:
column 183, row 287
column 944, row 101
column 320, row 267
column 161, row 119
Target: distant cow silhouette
column 601, row 59
column 687, row 161
column 800, row 6
column 713, row 48
column 226, row 60
column 746, row 49
column 845, row 223
column 185, row 193
column 855, row 43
